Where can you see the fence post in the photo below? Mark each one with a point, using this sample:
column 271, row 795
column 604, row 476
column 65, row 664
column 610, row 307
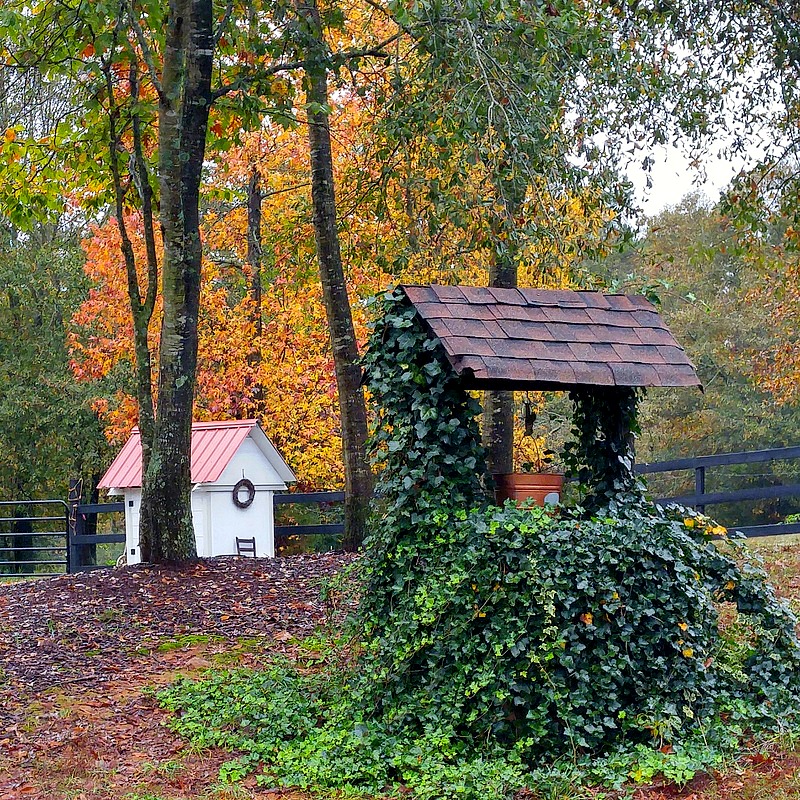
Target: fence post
column 700, row 486
column 74, row 526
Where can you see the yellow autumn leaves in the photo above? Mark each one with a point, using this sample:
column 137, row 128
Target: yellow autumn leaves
column 707, row 524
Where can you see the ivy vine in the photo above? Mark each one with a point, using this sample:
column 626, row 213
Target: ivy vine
column 489, row 637
column 601, row 457
column 426, row 445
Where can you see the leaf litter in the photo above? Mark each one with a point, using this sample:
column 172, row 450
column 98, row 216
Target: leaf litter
column 78, row 652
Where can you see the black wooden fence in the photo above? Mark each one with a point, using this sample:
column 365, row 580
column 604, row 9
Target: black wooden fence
column 33, row 535
column 701, row 499
column 44, row 537
column 82, row 536
column 306, row 499
column 49, row 536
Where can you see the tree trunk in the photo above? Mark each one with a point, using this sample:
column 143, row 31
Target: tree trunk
column 358, row 477
column 498, row 407
column 255, row 198
column 255, row 251
column 141, row 307
column 166, row 530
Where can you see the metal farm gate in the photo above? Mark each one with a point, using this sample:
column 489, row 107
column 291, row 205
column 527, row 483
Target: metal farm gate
column 34, row 538
column 52, row 537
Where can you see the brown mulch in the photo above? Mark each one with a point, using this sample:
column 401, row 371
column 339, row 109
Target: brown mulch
column 78, row 651
column 88, row 627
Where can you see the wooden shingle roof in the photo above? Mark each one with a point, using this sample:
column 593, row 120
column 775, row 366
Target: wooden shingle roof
column 551, row 338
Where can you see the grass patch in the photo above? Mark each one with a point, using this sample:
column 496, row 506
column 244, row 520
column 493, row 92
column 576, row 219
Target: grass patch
column 110, row 615
column 244, row 645
column 187, row 640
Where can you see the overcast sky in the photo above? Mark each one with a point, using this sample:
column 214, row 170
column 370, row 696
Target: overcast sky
column 673, row 176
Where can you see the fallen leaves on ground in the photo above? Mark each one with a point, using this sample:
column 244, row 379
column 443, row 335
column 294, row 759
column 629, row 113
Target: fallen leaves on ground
column 91, row 626
column 78, row 651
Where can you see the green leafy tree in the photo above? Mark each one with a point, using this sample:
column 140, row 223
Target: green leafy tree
column 717, row 297
column 48, row 432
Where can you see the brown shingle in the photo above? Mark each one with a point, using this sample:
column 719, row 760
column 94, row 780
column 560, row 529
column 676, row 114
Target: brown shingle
column 420, row 294
column 531, row 331
column 572, row 316
column 541, row 338
column 471, row 311
column 648, row 319
column 553, row 372
column 672, row 355
column 582, row 351
column 474, row 363
column 594, row 299
column 562, row 332
column 470, row 345
column 594, row 374
column 512, row 369
column 621, row 302
column 617, row 334
column 634, row 374
column 524, row 348
column 622, row 319
column 524, row 313
column 552, row 297
column 682, row 375
column 599, row 352
column 511, row 296
column 434, row 310
column 495, row 331
column 449, row 294
column 468, row 327
column 439, row 328
column 655, row 336
column 478, row 294
column 640, row 354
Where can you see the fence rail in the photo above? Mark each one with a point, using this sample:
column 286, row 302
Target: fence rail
column 72, row 540
column 701, row 498
column 80, row 542
column 24, row 550
column 282, row 532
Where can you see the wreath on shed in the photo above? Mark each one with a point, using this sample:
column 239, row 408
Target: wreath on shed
column 247, row 501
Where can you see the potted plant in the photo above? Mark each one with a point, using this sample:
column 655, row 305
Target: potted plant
column 538, row 479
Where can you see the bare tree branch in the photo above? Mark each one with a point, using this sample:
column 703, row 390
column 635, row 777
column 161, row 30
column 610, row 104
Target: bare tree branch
column 226, row 18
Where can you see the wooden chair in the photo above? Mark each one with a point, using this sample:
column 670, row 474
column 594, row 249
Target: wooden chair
column 246, row 547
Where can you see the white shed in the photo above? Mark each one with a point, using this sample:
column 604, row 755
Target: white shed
column 235, row 472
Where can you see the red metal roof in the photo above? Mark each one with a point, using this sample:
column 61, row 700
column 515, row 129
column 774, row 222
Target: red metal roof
column 551, row 338
column 213, row 446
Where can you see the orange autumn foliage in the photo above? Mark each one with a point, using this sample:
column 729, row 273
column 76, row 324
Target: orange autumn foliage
column 291, row 390
column 285, row 377
column 778, row 367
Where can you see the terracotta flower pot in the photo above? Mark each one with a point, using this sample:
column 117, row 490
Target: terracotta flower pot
column 543, row 488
